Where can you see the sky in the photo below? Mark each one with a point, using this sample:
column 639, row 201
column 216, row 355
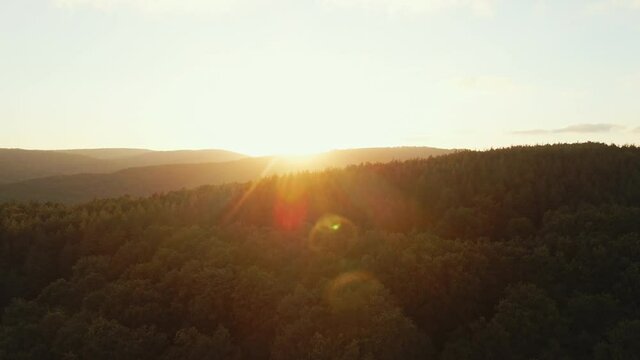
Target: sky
column 297, row 76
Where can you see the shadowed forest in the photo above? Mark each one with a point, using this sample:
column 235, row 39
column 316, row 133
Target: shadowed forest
column 519, row 253
column 76, row 176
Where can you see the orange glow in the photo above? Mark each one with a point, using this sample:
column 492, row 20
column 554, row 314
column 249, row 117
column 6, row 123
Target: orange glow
column 289, row 216
column 291, row 206
column 229, row 215
column 351, row 290
column 332, row 233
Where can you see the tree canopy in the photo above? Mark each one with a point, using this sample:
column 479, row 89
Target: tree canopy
column 519, row 253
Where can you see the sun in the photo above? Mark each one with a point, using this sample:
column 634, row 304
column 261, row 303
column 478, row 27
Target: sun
column 300, row 150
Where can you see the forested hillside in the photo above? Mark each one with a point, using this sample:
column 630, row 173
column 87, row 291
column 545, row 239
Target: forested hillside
column 519, row 253
column 127, row 158
column 18, row 165
column 181, row 169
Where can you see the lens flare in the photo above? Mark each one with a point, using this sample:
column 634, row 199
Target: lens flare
column 289, row 215
column 351, row 291
column 291, row 204
column 228, row 216
column 332, row 233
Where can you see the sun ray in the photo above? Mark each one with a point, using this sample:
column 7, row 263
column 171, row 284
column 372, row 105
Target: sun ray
column 229, row 215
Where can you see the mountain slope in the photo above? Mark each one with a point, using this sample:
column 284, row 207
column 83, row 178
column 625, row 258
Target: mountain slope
column 151, row 158
column 106, row 153
column 20, row 165
column 144, row 181
column 141, row 181
column 519, row 253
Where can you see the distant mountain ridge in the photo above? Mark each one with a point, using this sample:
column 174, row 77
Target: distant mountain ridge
column 19, row 165
column 106, row 153
column 147, row 180
column 126, row 158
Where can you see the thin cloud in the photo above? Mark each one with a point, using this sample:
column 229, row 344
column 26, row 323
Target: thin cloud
column 606, row 5
column 531, row 132
column 418, row 138
column 587, row 128
column 637, row 130
column 478, row 7
column 575, row 129
column 486, row 83
column 155, row 6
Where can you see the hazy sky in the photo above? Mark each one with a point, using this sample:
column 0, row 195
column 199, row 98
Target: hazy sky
column 274, row 76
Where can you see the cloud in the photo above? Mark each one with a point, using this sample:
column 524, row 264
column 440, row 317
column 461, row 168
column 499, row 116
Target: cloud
column 418, row 138
column 531, row 132
column 637, row 130
column 606, row 5
column 486, row 83
column 478, row 7
column 587, row 128
column 575, row 129
column 155, row 6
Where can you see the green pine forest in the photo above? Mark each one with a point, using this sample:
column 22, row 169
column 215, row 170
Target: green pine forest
column 527, row 252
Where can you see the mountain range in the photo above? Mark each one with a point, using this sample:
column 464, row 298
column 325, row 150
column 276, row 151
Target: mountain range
column 78, row 175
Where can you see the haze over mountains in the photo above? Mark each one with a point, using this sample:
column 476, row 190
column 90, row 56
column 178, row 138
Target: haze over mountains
column 79, row 175
column 530, row 252
column 19, row 165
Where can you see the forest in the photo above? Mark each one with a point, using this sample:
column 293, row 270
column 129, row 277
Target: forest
column 528, row 252
column 77, row 176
